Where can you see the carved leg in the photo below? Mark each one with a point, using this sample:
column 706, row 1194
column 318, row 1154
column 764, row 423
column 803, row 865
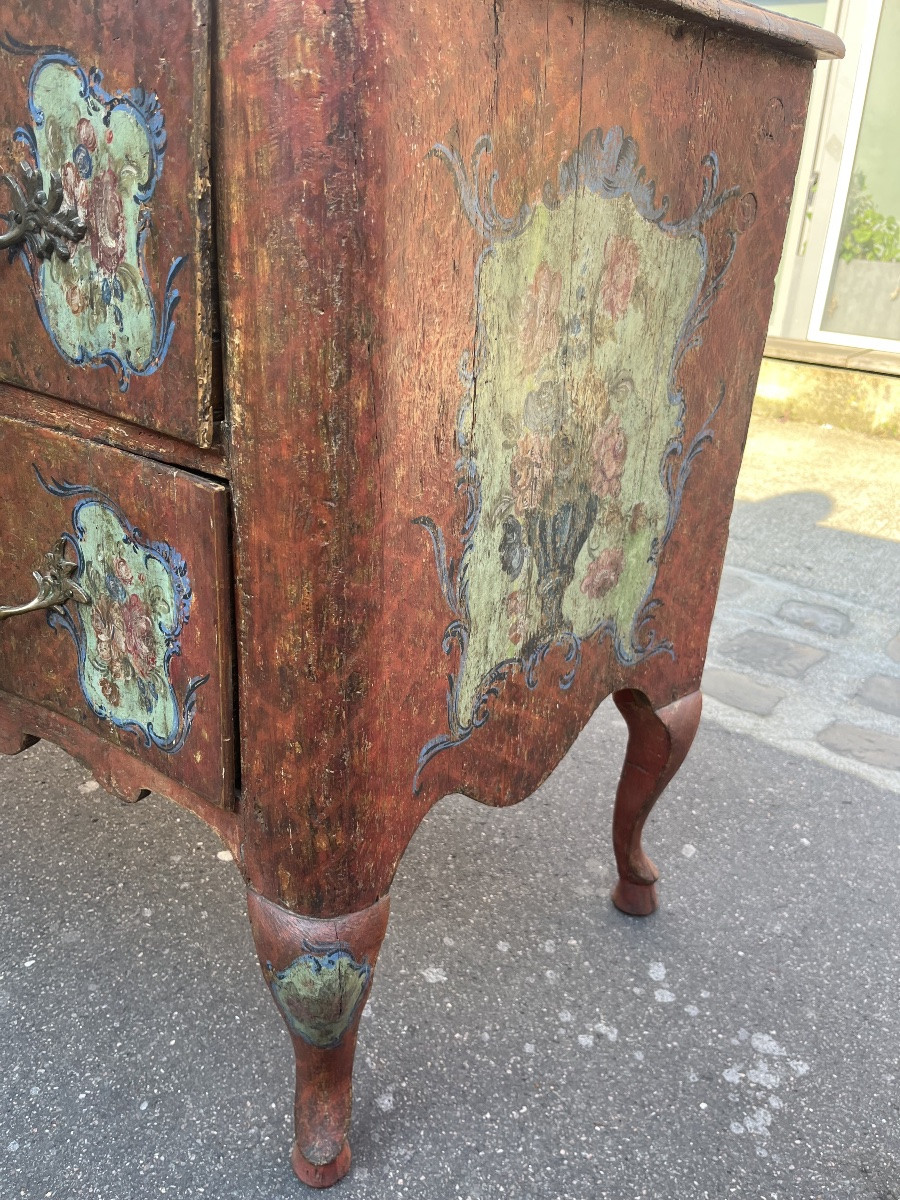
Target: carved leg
column 319, row 972
column 657, row 745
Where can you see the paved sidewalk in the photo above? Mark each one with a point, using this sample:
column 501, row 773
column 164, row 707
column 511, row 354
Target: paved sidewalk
column 805, row 647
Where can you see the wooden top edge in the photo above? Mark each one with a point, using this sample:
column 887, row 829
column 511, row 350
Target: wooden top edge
column 796, row 37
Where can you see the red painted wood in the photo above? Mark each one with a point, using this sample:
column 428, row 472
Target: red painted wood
column 658, row 742
column 348, row 258
column 342, row 371
column 111, row 431
column 750, row 21
column 161, row 47
column 166, row 505
column 118, row 772
column 321, row 1152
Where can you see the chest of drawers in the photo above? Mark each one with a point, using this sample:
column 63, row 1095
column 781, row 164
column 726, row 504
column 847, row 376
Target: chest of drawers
column 373, row 386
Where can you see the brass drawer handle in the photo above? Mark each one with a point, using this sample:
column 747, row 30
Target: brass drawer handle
column 40, row 219
column 55, row 585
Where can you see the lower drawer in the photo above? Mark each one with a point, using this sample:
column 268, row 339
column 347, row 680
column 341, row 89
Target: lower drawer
column 138, row 646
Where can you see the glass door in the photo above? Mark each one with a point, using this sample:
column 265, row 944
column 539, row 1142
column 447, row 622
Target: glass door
column 839, row 282
column 857, row 297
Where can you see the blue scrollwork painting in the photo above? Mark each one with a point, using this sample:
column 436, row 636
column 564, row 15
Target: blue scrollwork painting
column 320, row 993
column 586, row 304
column 99, row 306
column 127, row 635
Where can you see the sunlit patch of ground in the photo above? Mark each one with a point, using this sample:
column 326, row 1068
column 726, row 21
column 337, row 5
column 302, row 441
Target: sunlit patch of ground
column 859, row 474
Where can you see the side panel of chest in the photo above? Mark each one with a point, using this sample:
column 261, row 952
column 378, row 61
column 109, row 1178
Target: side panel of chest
column 496, row 406
column 106, row 109
column 589, row 212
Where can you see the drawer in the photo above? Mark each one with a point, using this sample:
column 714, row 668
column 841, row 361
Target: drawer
column 141, row 654
column 113, row 100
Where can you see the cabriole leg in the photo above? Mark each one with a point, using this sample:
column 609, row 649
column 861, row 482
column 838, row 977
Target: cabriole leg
column 319, row 973
column 658, row 742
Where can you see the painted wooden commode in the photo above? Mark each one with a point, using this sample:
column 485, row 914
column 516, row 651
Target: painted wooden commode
column 373, row 386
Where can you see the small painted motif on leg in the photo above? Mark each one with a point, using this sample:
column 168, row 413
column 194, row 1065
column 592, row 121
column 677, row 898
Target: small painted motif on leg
column 320, row 992
column 320, row 974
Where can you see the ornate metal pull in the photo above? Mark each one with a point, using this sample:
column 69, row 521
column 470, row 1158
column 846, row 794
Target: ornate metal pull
column 40, row 218
column 55, row 585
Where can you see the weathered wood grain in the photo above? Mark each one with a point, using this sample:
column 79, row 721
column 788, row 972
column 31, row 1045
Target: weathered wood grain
column 495, row 280
column 111, row 665
column 117, row 771
column 747, row 20
column 111, row 431
column 342, row 370
column 141, row 50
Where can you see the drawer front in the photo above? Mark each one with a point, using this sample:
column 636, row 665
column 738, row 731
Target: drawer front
column 107, row 303
column 138, row 645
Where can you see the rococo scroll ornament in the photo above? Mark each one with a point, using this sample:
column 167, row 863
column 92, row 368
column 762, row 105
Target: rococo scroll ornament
column 40, row 221
column 128, row 611
column 320, row 993
column 105, row 151
column 56, row 585
column 586, row 304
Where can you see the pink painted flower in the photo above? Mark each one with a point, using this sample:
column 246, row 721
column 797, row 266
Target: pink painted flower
column 75, row 189
column 620, row 268
column 540, row 323
column 76, row 299
column 138, row 633
column 122, row 570
column 609, row 450
column 70, row 180
column 603, row 573
column 637, row 518
column 530, row 471
column 109, row 629
column 86, row 134
column 106, row 219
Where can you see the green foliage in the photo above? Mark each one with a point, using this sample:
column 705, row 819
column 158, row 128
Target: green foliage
column 868, row 234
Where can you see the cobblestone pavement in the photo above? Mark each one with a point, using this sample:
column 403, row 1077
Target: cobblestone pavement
column 805, row 647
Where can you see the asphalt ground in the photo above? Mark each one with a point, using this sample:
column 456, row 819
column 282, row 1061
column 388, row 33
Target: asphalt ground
column 524, row 1039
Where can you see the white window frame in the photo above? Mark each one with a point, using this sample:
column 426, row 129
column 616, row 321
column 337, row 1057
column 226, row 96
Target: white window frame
column 815, row 333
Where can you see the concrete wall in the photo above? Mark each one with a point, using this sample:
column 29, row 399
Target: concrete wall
column 859, row 400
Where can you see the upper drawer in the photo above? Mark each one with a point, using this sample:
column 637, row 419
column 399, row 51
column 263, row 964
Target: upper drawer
column 113, row 99
column 141, row 653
